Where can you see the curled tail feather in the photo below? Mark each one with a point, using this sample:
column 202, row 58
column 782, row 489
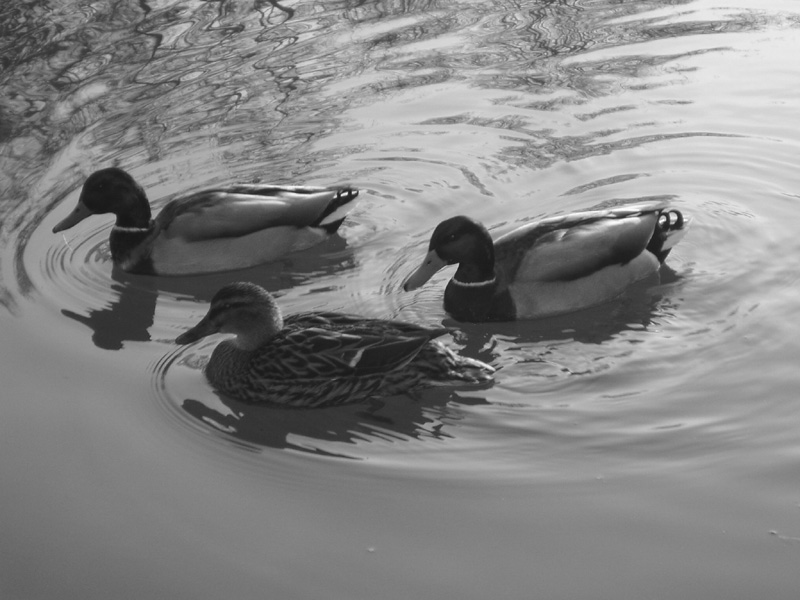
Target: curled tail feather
column 671, row 228
column 337, row 210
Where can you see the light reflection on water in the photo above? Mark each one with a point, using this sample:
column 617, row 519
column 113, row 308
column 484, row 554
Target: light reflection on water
column 646, row 443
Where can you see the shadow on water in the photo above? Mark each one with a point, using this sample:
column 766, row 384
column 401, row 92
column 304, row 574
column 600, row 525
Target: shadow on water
column 395, row 419
column 130, row 315
column 129, row 318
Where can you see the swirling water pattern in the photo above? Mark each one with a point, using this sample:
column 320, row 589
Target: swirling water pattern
column 646, row 448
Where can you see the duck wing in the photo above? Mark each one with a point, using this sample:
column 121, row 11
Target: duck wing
column 314, row 353
column 359, row 325
column 576, row 245
column 245, row 209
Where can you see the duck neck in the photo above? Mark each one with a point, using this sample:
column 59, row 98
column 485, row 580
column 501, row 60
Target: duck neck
column 469, row 294
column 470, row 302
column 478, row 270
column 130, row 233
column 472, row 280
column 257, row 328
column 226, row 364
column 252, row 340
column 128, row 248
column 132, row 209
column 231, row 358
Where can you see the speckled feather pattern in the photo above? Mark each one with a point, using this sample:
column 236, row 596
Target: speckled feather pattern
column 302, row 366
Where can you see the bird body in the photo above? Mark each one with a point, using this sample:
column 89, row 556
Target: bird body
column 212, row 230
column 552, row 266
column 321, row 359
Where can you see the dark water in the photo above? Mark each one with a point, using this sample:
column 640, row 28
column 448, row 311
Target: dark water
column 644, row 449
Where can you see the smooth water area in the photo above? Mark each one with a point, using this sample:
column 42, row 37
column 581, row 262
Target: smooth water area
column 647, row 448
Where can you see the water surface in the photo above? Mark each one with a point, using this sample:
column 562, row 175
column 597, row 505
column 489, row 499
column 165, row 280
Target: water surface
column 643, row 449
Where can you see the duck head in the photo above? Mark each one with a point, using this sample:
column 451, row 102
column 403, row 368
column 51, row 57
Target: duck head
column 243, row 309
column 114, row 191
column 458, row 240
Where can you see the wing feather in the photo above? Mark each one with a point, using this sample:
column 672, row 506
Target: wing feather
column 568, row 248
column 312, row 353
column 242, row 210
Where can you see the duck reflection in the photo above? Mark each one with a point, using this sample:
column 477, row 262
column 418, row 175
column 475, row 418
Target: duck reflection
column 130, row 317
column 400, row 418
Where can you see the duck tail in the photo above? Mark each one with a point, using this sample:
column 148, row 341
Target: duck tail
column 337, row 209
column 471, row 370
column 443, row 366
column 671, row 228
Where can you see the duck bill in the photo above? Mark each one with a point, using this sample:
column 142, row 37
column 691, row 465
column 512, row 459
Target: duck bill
column 430, row 265
column 202, row 329
column 78, row 214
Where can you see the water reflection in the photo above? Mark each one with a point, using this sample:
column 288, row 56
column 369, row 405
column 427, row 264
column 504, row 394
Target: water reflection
column 328, row 431
column 442, row 107
column 129, row 315
column 129, row 318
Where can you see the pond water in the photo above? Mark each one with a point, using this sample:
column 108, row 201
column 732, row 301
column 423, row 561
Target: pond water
column 647, row 448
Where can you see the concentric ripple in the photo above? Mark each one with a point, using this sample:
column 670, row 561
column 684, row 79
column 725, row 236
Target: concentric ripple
column 79, row 268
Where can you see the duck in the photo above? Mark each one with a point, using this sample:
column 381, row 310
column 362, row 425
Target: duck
column 321, row 359
column 212, row 230
column 551, row 266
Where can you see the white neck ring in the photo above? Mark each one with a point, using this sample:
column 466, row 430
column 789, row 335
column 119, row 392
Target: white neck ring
column 473, row 284
column 129, row 229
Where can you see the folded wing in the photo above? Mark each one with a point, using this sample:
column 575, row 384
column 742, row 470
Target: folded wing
column 320, row 353
column 242, row 210
column 568, row 248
